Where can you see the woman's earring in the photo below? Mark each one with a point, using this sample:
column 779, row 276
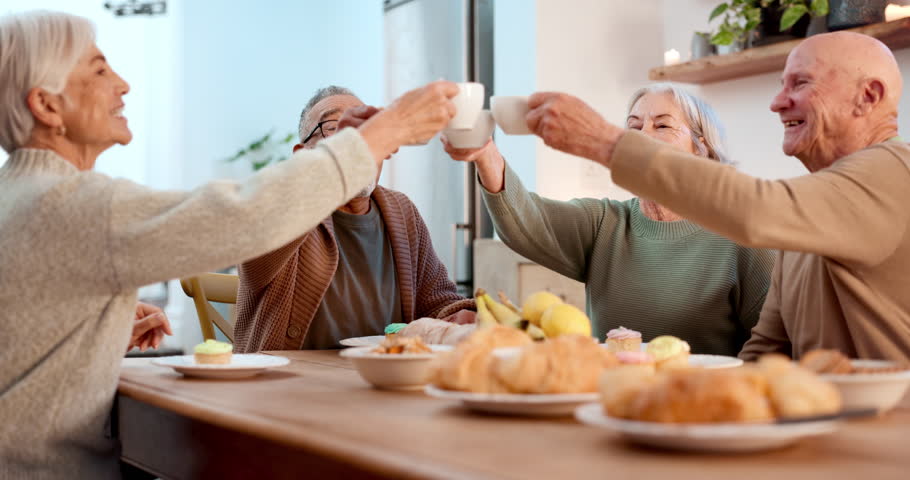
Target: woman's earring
column 61, row 130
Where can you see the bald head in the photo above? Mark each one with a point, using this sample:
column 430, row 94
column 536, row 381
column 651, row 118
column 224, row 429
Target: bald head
column 840, row 94
column 858, row 57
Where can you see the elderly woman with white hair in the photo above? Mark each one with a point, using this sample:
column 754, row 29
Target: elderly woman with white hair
column 643, row 266
column 75, row 244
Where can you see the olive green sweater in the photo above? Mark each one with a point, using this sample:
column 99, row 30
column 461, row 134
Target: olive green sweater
column 660, row 278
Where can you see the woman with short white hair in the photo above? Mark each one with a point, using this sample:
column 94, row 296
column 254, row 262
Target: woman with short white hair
column 75, row 244
column 644, row 267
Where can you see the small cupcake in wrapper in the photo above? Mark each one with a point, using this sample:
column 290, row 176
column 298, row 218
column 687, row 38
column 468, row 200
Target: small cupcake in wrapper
column 392, row 329
column 641, row 361
column 669, row 352
column 213, row 352
column 623, row 340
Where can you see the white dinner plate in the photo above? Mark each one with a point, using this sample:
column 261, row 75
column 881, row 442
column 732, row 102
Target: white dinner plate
column 363, row 341
column 534, row 405
column 704, row 360
column 713, row 361
column 720, row 437
column 242, row 365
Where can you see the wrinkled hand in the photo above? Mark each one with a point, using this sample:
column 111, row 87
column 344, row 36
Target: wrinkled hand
column 489, row 162
column 357, row 116
column 149, row 327
column 568, row 124
column 423, row 112
column 462, row 317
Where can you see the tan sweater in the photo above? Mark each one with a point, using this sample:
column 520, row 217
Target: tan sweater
column 74, row 247
column 843, row 281
column 281, row 291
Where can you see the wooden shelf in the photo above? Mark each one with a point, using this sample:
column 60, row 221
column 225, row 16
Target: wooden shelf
column 770, row 58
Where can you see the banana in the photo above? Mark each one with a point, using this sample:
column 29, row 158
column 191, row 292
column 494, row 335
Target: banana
column 505, row 301
column 484, row 317
column 502, row 313
column 535, row 332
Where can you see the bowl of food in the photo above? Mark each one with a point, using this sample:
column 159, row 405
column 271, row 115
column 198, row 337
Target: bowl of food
column 879, row 384
column 395, row 364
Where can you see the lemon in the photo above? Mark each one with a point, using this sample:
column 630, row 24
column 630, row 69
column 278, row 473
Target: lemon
column 562, row 319
column 536, row 304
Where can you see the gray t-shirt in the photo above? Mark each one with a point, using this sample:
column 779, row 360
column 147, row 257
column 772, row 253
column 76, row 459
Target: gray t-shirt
column 363, row 297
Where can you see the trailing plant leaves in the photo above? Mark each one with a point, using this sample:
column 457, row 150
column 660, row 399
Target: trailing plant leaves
column 819, row 8
column 718, row 10
column 792, row 15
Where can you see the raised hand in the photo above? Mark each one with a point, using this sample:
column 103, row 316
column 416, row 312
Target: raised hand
column 412, row 119
column 489, row 162
column 149, row 327
column 568, row 124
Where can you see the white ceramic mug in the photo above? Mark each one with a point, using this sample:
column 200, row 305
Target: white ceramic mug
column 468, row 104
column 475, row 137
column 510, row 113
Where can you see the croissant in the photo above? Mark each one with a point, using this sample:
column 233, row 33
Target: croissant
column 565, row 364
column 469, row 366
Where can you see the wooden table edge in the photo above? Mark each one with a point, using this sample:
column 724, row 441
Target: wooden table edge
column 329, row 445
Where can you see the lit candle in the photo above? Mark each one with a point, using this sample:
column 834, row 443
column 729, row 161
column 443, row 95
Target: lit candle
column 895, row 12
column 671, row 57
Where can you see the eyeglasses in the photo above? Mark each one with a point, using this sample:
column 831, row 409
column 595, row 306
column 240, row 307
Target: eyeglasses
column 323, row 129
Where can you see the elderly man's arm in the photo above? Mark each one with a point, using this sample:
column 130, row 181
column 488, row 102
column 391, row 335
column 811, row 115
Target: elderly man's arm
column 769, row 335
column 848, row 211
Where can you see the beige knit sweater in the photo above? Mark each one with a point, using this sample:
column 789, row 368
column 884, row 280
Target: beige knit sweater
column 281, row 291
column 74, row 247
column 843, row 281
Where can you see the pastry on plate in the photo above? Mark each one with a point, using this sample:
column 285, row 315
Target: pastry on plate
column 669, row 352
column 565, row 364
column 213, row 352
column 826, row 361
column 623, row 340
column 469, row 366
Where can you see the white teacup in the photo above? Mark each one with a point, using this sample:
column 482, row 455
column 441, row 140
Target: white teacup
column 475, row 137
column 509, row 113
column 468, row 104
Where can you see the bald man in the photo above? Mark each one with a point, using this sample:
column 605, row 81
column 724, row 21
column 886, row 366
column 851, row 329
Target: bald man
column 842, row 278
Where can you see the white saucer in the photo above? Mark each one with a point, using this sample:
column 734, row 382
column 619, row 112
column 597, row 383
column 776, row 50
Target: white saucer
column 534, row 405
column 368, row 341
column 705, row 437
column 242, row 365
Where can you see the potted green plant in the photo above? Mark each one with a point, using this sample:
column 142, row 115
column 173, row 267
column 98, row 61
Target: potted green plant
column 701, row 45
column 794, row 10
column 740, row 17
column 265, row 150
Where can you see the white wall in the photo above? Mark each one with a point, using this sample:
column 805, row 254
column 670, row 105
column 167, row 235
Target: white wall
column 601, row 51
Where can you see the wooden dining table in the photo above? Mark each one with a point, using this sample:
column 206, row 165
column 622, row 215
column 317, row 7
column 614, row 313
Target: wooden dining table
column 316, row 418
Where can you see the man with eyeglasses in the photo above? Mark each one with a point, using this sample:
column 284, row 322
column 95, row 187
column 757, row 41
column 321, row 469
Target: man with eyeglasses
column 369, row 264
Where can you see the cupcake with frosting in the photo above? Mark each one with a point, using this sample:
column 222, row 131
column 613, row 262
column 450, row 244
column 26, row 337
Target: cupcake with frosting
column 623, row 340
column 213, row 352
column 639, row 360
column 669, row 352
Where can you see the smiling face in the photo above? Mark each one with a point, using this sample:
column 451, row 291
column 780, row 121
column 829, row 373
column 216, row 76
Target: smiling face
column 816, row 105
column 92, row 106
column 658, row 115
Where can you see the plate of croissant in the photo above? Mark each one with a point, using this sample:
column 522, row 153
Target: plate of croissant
column 770, row 404
column 501, row 370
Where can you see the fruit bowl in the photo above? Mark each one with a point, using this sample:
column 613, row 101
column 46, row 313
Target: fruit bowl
column 393, row 371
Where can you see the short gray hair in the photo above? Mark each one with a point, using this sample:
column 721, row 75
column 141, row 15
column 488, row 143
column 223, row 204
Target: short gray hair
column 317, row 97
column 38, row 48
column 700, row 118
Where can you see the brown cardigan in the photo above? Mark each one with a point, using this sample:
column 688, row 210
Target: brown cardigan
column 281, row 291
